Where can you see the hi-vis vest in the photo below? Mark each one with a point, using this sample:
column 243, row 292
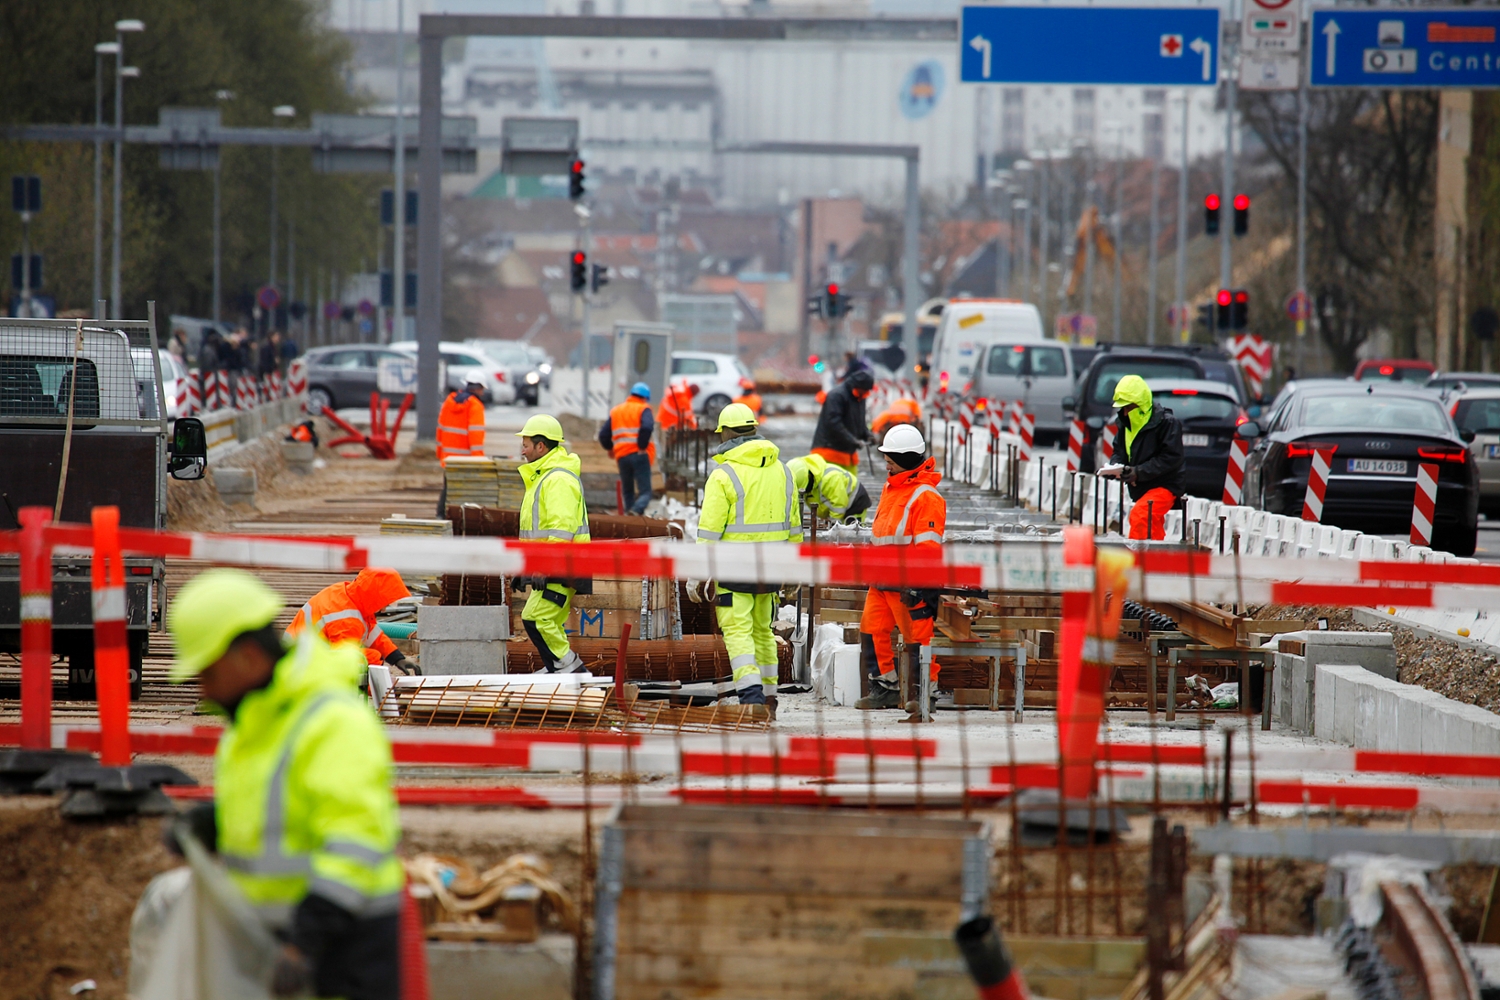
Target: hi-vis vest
column 912, row 511
column 625, row 426
column 552, row 508
column 750, row 497
column 460, row 428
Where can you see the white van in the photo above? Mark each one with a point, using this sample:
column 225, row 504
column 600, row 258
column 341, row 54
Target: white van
column 968, row 327
column 1039, row 374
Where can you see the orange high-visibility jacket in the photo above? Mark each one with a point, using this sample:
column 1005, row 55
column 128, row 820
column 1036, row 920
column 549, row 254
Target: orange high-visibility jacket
column 625, row 428
column 912, row 511
column 752, row 400
column 460, row 427
column 676, row 410
column 902, row 411
column 345, row 612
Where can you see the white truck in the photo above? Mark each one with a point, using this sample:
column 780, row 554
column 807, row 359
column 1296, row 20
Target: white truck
column 64, row 375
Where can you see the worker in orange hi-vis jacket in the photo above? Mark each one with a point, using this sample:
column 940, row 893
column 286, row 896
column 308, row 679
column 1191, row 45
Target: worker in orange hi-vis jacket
column 345, row 612
column 676, row 409
column 902, row 411
column 749, row 396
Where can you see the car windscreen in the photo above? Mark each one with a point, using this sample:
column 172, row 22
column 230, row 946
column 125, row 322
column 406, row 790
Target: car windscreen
column 1482, row 416
column 504, row 353
column 32, row 386
column 1365, row 412
column 1190, row 404
column 1109, row 373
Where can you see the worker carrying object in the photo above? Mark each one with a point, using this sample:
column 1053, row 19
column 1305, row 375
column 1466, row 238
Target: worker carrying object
column 460, row 431
column 552, row 510
column 304, row 816
column 1149, row 452
column 903, row 411
column 626, row 435
column 911, row 512
column 345, row 613
column 831, row 491
column 749, row 396
column 749, row 497
column 841, row 429
column 306, row 432
column 676, row 408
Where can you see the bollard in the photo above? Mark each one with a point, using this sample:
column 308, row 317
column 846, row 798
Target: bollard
column 1150, row 514
column 1222, row 519
column 111, row 659
column 1123, row 532
column 1052, row 471
column 36, row 629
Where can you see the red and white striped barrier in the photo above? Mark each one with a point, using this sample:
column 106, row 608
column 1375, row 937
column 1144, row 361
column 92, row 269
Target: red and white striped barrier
column 1077, row 434
column 965, row 421
column 194, row 401
column 111, row 659
column 1234, row 475
column 1424, row 504
column 1317, row 484
column 1028, row 434
column 296, row 377
column 273, row 386
column 35, row 730
column 244, row 392
column 1013, row 414
column 1107, row 440
column 1255, row 356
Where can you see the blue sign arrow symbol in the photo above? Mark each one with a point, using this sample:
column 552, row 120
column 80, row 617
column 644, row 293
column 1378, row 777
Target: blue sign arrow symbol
column 1331, row 32
column 1206, row 50
column 982, row 45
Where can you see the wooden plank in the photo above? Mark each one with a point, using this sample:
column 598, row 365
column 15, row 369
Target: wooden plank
column 841, row 616
column 986, row 622
column 792, row 822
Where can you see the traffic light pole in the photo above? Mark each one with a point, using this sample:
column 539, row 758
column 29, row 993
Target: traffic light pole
column 1226, row 233
column 1183, row 323
column 587, row 227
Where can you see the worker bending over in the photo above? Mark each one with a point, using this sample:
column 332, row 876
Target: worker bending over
column 1149, row 456
column 676, row 409
column 841, row 429
column 749, row 397
column 626, row 435
column 552, row 510
column 911, row 512
column 460, row 430
column 749, row 497
column 831, row 492
column 303, row 815
column 345, row 613
column 903, row 411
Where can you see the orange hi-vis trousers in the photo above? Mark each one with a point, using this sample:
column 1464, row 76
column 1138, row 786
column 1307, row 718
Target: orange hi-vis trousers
column 1155, row 505
column 883, row 612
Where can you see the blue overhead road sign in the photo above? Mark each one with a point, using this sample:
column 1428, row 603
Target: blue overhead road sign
column 1146, row 46
column 1422, row 47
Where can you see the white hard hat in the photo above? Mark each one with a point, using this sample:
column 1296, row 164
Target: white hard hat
column 903, row 439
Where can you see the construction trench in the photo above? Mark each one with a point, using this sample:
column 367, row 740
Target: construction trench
column 638, row 836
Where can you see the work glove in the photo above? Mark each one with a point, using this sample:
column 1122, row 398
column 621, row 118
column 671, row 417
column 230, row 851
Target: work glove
column 921, row 598
column 199, row 820
column 407, row 667
column 789, row 591
column 292, row 976
column 701, row 591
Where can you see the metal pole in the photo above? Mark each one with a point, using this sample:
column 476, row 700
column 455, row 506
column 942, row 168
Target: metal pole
column 1182, row 193
column 1151, row 256
column 1226, row 232
column 1115, row 226
column 114, row 266
column 98, row 178
column 1026, row 247
column 910, row 250
column 587, row 350
column 291, row 271
column 1301, row 203
column 1044, row 223
column 271, row 280
column 806, row 327
column 1088, row 242
column 398, row 137
column 25, row 309
column 218, row 243
column 429, row 234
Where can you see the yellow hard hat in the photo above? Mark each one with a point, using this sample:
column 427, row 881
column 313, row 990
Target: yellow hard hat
column 211, row 611
column 736, row 415
column 542, row 425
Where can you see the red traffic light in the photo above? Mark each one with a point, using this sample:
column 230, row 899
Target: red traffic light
column 579, row 256
column 576, row 166
column 812, row 359
column 1225, row 297
column 833, row 289
column 1241, row 202
column 1241, row 297
column 1212, row 202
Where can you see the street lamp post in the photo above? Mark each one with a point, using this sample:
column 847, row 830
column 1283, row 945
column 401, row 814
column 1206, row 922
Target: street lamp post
column 222, row 95
column 398, row 268
column 1026, row 175
column 100, row 51
column 280, row 111
column 122, row 73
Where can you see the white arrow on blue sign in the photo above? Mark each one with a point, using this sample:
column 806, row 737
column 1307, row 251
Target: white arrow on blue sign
column 1423, row 47
column 1126, row 46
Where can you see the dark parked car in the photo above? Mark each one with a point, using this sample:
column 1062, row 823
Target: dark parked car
column 1379, row 434
column 1093, row 402
column 345, row 376
column 1210, row 415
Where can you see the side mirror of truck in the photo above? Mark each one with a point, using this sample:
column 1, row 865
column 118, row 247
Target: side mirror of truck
column 187, row 452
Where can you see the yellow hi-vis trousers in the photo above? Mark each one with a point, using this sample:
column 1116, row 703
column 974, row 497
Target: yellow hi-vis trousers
column 545, row 618
column 745, row 620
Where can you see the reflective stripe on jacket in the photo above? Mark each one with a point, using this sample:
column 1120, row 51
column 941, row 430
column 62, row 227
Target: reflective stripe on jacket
column 823, row 486
column 552, row 508
column 626, row 423
column 302, row 791
column 912, row 511
column 345, row 612
column 676, row 410
column 460, row 427
column 750, row 497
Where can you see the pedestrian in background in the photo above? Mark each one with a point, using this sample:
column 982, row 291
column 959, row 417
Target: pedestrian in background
column 626, row 435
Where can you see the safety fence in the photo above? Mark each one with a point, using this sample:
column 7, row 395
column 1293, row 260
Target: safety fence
column 204, row 392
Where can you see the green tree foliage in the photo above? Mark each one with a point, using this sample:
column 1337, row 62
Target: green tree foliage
column 264, row 53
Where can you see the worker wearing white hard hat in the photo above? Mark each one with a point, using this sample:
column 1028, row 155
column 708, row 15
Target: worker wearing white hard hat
column 911, row 512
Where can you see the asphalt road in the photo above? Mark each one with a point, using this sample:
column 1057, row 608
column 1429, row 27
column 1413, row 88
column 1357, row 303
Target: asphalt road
column 1489, row 541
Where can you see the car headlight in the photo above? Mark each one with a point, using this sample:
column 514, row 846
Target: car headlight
column 532, row 378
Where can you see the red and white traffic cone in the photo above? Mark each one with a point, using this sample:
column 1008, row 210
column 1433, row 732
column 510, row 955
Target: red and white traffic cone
column 1077, row 432
column 1107, row 441
column 111, row 658
column 1028, row 433
column 1424, row 506
column 1317, row 485
column 1234, row 476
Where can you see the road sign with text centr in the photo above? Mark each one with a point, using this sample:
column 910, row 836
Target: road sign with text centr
column 1425, row 47
column 1141, row 46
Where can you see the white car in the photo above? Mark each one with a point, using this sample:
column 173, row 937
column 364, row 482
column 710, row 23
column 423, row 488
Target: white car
column 174, row 380
column 716, row 375
column 464, row 364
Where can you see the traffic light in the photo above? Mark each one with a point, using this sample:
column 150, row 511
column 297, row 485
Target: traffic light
column 598, row 277
column 575, row 180
column 835, row 302
column 1239, row 310
column 1223, row 302
column 1206, row 317
column 1211, row 214
column 579, row 279
column 816, row 363
column 1241, row 214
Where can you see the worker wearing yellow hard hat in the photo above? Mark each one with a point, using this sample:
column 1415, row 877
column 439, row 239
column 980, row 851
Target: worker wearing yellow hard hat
column 749, row 497
column 304, row 816
column 552, row 510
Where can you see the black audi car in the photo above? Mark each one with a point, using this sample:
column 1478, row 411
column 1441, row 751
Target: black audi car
column 1379, row 433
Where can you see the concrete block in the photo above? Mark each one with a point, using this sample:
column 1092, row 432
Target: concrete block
column 1375, row 651
column 463, row 640
column 298, row 456
column 235, row 485
column 467, row 970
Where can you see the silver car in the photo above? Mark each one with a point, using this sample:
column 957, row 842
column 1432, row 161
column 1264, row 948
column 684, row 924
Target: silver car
column 1478, row 410
column 514, row 357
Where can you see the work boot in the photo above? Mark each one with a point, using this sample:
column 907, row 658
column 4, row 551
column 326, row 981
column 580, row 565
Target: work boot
column 883, row 694
column 936, row 699
column 771, row 706
column 570, row 664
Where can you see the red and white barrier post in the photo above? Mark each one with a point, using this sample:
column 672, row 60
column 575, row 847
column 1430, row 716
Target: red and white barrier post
column 1077, row 433
column 1424, row 506
column 1107, row 440
column 36, row 629
column 111, row 658
column 194, row 393
column 1013, row 413
column 1028, row 434
column 1234, row 475
column 1317, row 485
